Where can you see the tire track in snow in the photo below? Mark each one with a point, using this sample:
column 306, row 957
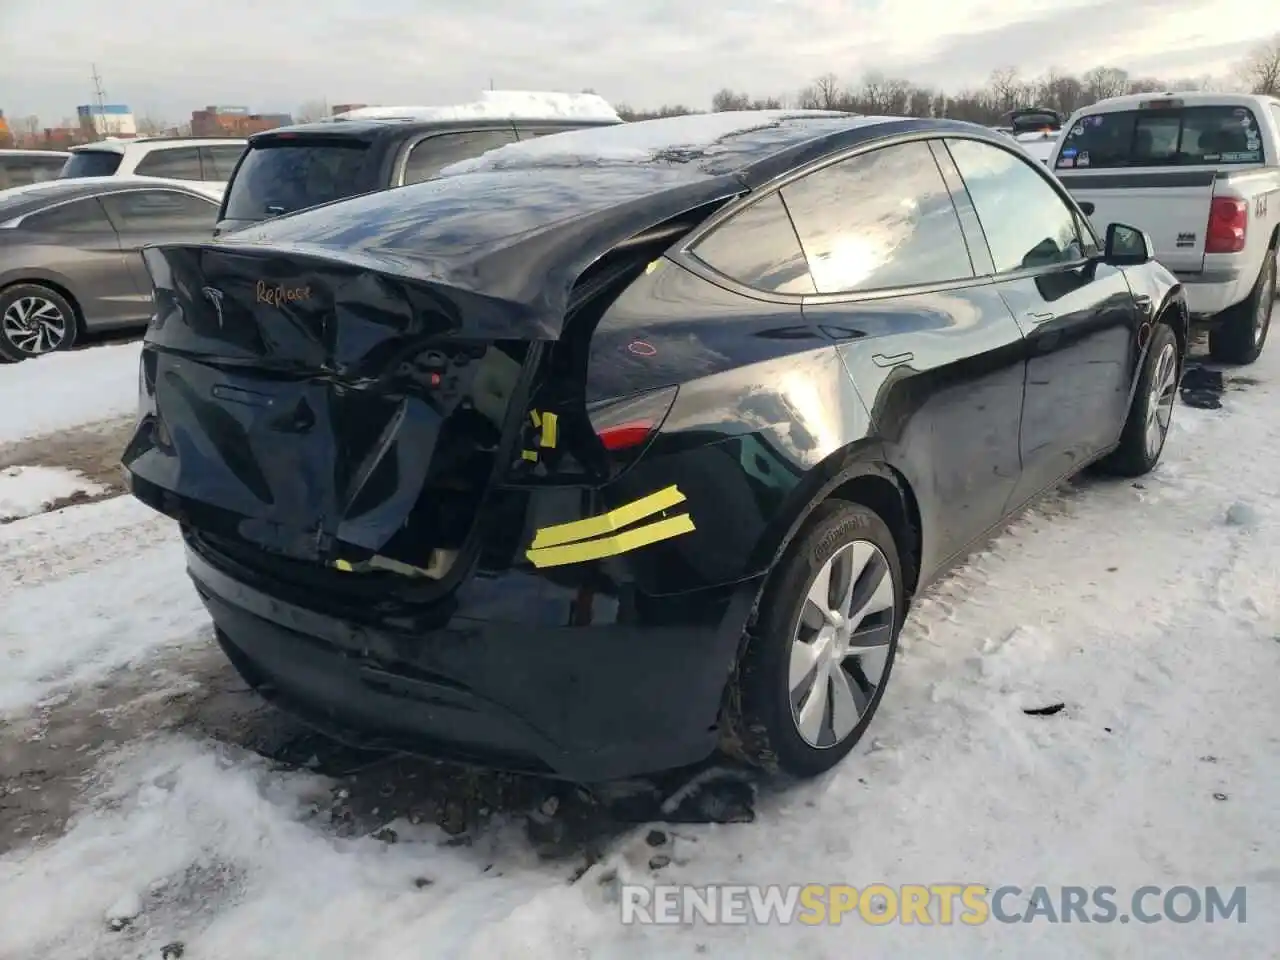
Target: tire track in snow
column 63, row 543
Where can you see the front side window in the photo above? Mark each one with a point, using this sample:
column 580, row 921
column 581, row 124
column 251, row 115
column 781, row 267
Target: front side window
column 179, row 163
column 1162, row 136
column 758, row 248
column 428, row 157
column 1026, row 223
column 880, row 220
column 78, row 216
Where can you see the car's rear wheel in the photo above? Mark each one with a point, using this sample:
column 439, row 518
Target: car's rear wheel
column 815, row 669
column 34, row 320
column 1242, row 333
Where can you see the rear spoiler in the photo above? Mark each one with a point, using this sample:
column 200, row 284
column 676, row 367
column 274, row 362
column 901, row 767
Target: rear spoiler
column 331, row 270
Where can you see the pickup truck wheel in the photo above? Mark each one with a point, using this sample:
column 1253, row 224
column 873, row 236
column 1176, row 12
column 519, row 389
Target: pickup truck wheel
column 1145, row 430
column 1243, row 331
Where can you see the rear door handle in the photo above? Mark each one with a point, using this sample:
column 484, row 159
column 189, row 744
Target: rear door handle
column 1143, row 302
column 1040, row 317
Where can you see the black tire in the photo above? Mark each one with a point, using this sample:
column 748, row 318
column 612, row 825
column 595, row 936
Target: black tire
column 1135, row 456
column 12, row 351
column 760, row 728
column 1240, row 336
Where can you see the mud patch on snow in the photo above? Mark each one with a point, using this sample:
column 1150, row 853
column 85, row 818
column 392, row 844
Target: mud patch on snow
column 91, row 452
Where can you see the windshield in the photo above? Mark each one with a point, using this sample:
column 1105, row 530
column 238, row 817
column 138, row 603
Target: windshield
column 1178, row 136
column 91, row 163
column 274, row 180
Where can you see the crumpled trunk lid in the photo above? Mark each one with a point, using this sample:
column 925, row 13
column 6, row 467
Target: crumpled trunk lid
column 312, row 408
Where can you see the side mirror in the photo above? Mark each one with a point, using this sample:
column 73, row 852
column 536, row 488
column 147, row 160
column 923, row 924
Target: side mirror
column 1126, row 246
column 1087, row 207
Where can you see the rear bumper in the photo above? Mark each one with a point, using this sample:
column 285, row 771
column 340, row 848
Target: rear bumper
column 636, row 694
column 1211, row 292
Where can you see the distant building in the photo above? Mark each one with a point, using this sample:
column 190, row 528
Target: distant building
column 223, row 121
column 107, row 120
column 6, row 135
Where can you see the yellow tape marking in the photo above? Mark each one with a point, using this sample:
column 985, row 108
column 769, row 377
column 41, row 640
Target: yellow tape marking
column 530, row 455
column 549, row 430
column 342, row 565
column 611, row 546
column 609, row 522
column 533, row 415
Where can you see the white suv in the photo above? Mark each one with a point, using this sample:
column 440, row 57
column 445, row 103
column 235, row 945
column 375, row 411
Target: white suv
column 176, row 158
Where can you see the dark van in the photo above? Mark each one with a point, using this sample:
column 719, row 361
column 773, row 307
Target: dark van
column 292, row 168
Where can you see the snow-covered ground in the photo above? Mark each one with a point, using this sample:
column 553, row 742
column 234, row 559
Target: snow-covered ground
column 25, row 491
column 1151, row 610
column 67, row 390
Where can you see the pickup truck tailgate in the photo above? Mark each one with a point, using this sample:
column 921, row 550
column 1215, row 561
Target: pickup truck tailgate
column 1172, row 206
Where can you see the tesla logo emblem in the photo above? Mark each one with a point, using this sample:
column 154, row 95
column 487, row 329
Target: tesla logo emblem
column 214, row 296
column 640, row 348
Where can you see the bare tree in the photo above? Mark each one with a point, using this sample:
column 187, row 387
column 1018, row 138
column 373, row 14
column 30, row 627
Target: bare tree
column 1006, row 88
column 920, row 102
column 1260, row 73
column 726, row 99
column 151, row 127
column 827, row 93
column 310, row 111
column 1103, row 82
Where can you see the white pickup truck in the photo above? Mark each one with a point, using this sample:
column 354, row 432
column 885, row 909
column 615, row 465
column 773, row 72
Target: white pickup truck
column 1200, row 174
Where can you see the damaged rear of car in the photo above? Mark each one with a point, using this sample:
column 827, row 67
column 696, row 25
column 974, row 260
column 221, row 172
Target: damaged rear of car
column 363, row 415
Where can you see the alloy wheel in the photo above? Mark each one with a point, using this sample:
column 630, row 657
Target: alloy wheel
column 1160, row 399
column 1263, row 313
column 34, row 325
column 840, row 649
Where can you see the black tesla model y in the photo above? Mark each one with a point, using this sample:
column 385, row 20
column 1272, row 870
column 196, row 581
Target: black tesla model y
column 610, row 447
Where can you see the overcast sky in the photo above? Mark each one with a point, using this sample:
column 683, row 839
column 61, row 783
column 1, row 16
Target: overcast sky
column 165, row 58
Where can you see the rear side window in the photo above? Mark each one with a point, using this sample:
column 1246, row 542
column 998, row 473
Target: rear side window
column 178, row 163
column 19, row 171
column 91, row 163
column 218, row 162
column 1026, row 223
column 148, row 211
column 882, row 219
column 758, row 248
column 275, row 180
column 1163, row 137
column 428, row 157
column 78, row 216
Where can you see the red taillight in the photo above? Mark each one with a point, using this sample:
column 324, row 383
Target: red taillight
column 626, row 426
column 624, row 436
column 1228, row 225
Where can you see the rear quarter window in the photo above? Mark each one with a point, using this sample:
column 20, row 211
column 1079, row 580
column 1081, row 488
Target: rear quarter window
column 91, row 163
column 277, row 179
column 1162, row 137
column 428, row 157
column 758, row 248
